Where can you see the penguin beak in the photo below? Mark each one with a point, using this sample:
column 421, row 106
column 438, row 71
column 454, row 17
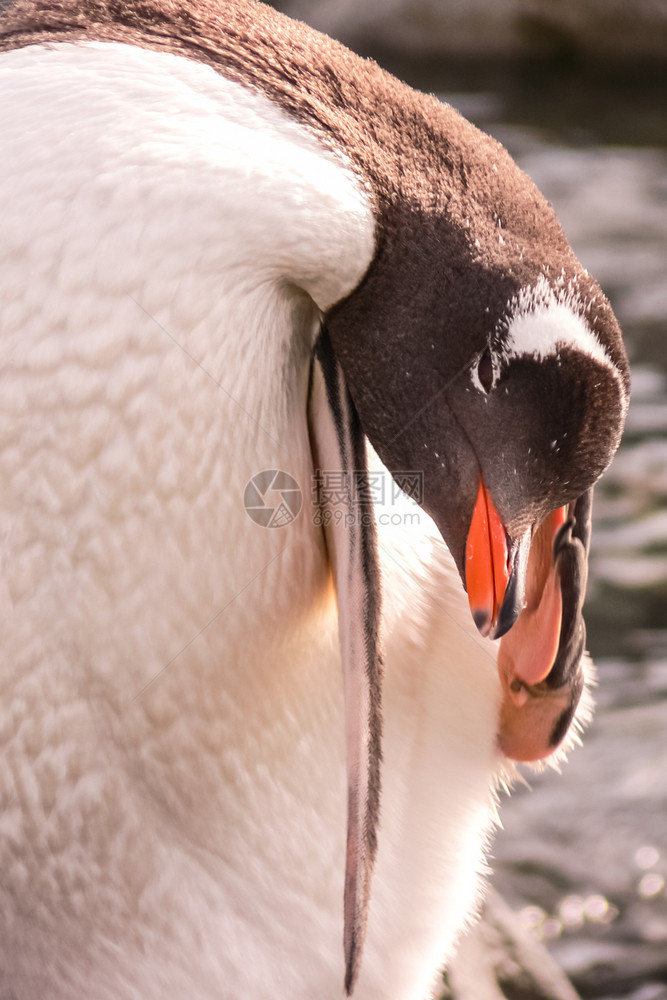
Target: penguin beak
column 540, row 659
column 530, row 594
column 497, row 574
column 536, row 635
column 487, row 569
column 495, row 569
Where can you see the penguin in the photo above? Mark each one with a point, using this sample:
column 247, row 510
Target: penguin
column 306, row 395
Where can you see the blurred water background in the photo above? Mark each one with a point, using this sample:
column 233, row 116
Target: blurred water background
column 583, row 854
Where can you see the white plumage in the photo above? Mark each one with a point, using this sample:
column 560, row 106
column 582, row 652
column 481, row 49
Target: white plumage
column 173, row 776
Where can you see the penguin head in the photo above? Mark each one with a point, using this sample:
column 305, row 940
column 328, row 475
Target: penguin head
column 510, row 410
column 539, row 413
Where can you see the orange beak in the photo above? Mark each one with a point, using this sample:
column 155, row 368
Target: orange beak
column 487, row 571
column 515, row 590
column 527, row 653
column 532, row 645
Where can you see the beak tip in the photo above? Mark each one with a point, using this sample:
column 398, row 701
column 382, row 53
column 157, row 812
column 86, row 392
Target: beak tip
column 482, row 620
column 492, row 628
column 507, row 617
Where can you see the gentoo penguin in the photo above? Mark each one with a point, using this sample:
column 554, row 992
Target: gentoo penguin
column 251, row 729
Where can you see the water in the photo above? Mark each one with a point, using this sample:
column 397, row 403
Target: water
column 583, row 855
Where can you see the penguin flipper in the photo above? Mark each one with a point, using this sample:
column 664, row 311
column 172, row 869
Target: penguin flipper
column 339, row 451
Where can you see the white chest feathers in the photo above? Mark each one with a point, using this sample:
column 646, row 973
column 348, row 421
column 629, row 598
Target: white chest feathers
column 172, row 773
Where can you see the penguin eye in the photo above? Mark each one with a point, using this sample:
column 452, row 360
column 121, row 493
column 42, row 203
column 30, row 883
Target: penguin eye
column 485, row 371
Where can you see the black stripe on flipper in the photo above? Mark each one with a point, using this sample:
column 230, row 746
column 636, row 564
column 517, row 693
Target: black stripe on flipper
column 353, row 553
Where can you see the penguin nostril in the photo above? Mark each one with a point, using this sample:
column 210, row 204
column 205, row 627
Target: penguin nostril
column 485, row 371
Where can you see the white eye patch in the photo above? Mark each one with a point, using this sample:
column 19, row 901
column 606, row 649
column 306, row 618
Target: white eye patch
column 541, row 321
